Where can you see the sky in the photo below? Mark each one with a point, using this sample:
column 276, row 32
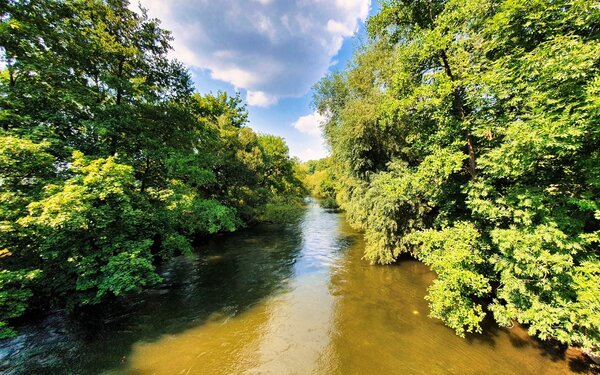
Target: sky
column 271, row 51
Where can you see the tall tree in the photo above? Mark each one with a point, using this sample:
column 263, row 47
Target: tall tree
column 465, row 132
column 109, row 163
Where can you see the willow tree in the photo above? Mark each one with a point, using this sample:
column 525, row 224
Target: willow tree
column 467, row 134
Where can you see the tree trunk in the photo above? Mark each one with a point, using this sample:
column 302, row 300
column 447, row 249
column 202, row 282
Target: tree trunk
column 120, row 86
column 459, row 110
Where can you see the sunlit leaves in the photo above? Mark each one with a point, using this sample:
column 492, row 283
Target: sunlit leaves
column 457, row 255
column 513, row 85
column 109, row 164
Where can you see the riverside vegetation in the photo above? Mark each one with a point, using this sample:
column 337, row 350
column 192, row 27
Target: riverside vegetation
column 467, row 133
column 109, row 162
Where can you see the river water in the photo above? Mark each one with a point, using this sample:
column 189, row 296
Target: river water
column 278, row 299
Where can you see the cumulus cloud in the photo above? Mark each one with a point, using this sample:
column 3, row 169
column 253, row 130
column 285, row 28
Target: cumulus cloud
column 273, row 49
column 312, row 146
column 310, row 124
column 260, row 99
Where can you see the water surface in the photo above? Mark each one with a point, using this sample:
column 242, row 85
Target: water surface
column 292, row 299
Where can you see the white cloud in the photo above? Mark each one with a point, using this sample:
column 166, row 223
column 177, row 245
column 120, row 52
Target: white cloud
column 310, row 124
column 260, row 99
column 311, row 145
column 277, row 48
column 338, row 28
column 235, row 76
column 307, row 154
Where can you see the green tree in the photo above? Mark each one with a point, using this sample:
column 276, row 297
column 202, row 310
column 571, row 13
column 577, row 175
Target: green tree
column 321, row 181
column 25, row 167
column 109, row 163
column 465, row 132
column 91, row 233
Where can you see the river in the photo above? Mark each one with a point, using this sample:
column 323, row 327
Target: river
column 278, row 299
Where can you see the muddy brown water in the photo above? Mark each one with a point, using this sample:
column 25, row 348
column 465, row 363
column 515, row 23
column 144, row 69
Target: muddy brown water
column 278, row 299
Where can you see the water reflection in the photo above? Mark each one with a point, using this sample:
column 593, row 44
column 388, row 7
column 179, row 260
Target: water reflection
column 285, row 333
column 294, row 299
column 229, row 275
column 381, row 327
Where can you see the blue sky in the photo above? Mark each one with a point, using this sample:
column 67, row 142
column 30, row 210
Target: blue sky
column 271, row 51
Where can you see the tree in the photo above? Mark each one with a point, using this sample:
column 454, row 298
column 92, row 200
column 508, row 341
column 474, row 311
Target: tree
column 25, row 167
column 465, row 132
column 321, row 181
column 109, row 163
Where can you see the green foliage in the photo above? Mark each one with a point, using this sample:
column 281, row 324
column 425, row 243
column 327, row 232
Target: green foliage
column 540, row 284
column 191, row 215
column 14, row 295
column 23, row 162
column 400, row 201
column 320, row 179
column 25, row 167
column 282, row 210
column 88, row 227
column 456, row 255
column 128, row 271
column 109, row 163
column 466, row 132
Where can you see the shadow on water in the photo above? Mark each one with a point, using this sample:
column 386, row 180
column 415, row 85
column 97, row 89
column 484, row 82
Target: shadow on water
column 228, row 275
column 382, row 326
column 519, row 338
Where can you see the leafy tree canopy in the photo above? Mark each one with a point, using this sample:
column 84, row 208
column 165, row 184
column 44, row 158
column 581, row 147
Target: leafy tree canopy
column 466, row 133
column 109, row 162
